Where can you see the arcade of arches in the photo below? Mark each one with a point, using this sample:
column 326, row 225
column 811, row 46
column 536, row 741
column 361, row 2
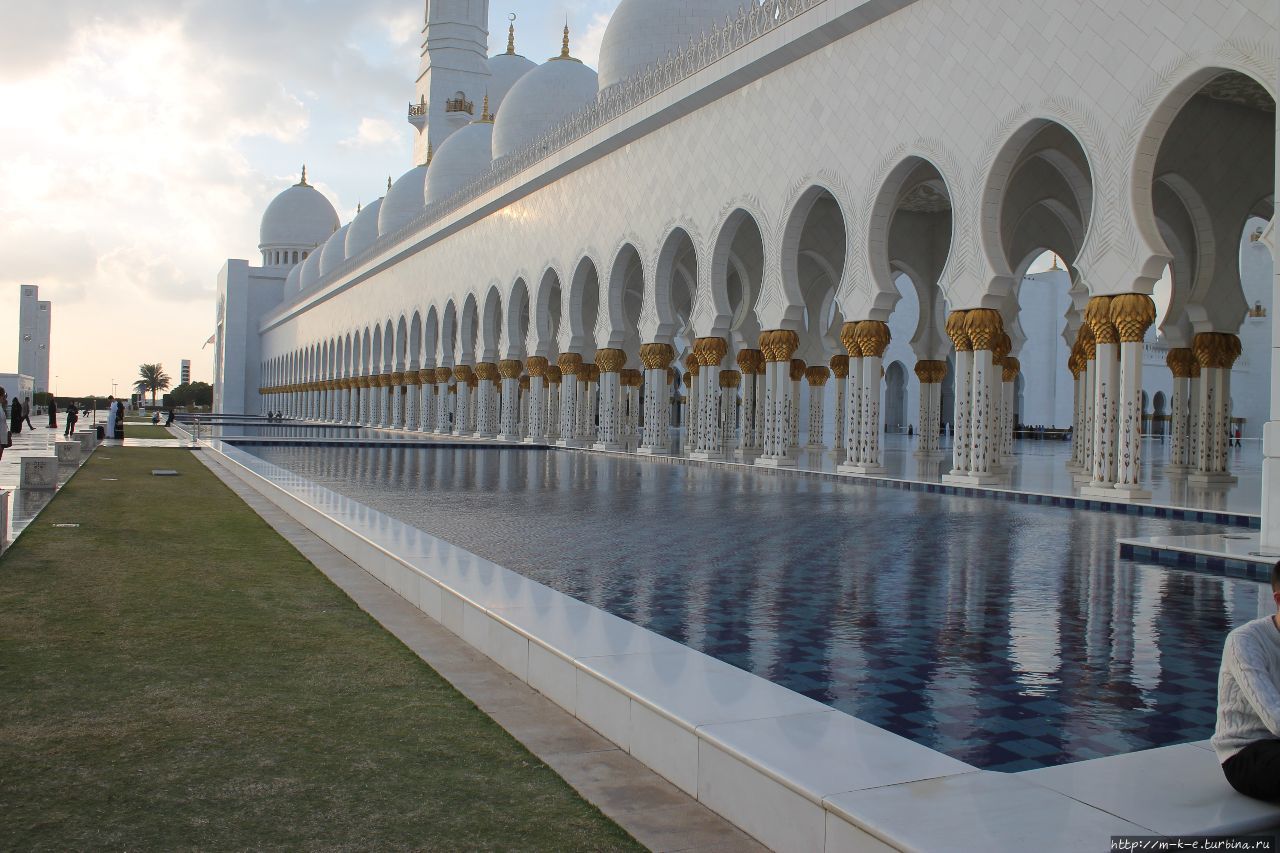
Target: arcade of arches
column 564, row 362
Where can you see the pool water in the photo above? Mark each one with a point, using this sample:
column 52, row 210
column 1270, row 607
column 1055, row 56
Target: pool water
column 1005, row 635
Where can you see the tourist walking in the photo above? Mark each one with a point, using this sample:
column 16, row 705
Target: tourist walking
column 1247, row 736
column 111, row 417
column 15, row 416
column 73, row 416
column 26, row 415
column 5, row 439
column 119, row 419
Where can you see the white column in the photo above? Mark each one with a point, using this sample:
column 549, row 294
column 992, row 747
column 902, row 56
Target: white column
column 656, row 437
column 511, row 406
column 462, row 415
column 962, row 435
column 855, row 439
column 552, row 413
column 1105, row 415
column 537, row 407
column 817, row 416
column 1179, row 423
column 692, row 412
column 749, row 441
column 982, row 452
column 1129, row 440
column 872, row 417
column 569, row 409
column 610, row 437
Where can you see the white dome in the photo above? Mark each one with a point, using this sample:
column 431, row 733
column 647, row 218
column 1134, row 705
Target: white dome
column 404, row 200
column 334, row 251
column 298, row 217
column 539, row 101
column 310, row 271
column 363, row 231
column 462, row 157
column 504, row 70
column 293, row 283
column 643, row 31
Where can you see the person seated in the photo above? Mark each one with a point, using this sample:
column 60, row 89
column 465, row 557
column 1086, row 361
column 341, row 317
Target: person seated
column 1246, row 738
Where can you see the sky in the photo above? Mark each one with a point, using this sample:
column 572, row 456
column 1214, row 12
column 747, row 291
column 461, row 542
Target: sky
column 140, row 141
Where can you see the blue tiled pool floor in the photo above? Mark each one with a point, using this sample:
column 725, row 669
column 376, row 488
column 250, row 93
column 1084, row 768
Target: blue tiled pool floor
column 1006, row 635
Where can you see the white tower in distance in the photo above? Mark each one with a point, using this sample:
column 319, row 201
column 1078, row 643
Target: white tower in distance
column 451, row 83
column 35, row 321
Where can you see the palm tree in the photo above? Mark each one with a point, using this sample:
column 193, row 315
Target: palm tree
column 153, row 379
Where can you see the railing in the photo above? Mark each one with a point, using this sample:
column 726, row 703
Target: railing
column 460, row 105
column 617, row 100
column 417, row 110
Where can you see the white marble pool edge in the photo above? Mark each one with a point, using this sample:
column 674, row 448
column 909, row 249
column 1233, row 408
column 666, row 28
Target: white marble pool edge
column 795, row 774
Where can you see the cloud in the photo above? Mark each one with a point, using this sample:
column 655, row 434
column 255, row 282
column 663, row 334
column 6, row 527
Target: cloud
column 372, row 133
column 588, row 44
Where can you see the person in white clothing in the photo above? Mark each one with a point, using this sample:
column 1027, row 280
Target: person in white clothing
column 1247, row 736
column 111, row 417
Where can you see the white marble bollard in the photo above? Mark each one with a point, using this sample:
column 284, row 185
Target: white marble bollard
column 39, row 472
column 68, row 452
column 88, row 440
column 4, row 520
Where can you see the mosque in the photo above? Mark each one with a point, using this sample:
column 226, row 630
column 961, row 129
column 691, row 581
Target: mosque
column 765, row 226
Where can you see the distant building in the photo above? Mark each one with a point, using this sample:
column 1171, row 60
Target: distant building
column 34, row 330
column 186, row 371
column 18, row 386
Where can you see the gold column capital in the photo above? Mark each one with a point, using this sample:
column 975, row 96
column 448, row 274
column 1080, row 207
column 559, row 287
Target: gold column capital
column 443, row 374
column 554, row 375
column 537, row 365
column 1181, row 361
column 798, row 368
column 610, row 360
column 1011, row 367
column 570, row 363
column 984, row 327
column 872, row 337
column 840, row 366
column 510, row 368
column 956, row 331
column 1097, row 314
column 730, row 379
column 464, row 373
column 779, row 344
column 929, row 371
column 710, row 351
column 691, row 364
column 817, row 375
column 657, row 356
column 1132, row 314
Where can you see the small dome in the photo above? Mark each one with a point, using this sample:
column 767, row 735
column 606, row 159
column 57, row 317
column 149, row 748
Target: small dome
column 293, row 283
column 363, row 231
column 539, row 101
column 505, row 70
column 299, row 217
column 462, row 157
column 404, row 200
column 643, row 31
column 334, row 251
column 310, row 271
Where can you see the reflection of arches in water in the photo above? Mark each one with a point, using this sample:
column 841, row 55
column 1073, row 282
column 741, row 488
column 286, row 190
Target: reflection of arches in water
column 1019, row 391
column 1157, row 413
column 948, row 406
column 895, row 397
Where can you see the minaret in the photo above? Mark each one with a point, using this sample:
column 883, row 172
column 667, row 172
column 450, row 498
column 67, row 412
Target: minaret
column 454, row 73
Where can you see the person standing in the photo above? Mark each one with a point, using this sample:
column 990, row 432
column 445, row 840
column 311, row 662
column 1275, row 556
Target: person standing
column 73, row 415
column 120, row 419
column 111, row 417
column 15, row 417
column 5, row 440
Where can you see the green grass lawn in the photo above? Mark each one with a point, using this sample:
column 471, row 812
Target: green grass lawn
column 145, row 430
column 174, row 675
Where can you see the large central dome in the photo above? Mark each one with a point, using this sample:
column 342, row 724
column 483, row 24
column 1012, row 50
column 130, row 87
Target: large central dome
column 643, row 31
column 300, row 217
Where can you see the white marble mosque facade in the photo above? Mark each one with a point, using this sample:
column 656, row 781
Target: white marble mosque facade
column 778, row 187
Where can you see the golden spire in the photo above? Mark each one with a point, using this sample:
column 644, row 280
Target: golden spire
column 303, row 182
column 511, row 38
column 388, row 183
column 564, row 46
column 1055, row 262
column 359, row 207
column 484, row 111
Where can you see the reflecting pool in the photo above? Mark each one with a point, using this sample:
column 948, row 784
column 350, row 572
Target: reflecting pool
column 1008, row 636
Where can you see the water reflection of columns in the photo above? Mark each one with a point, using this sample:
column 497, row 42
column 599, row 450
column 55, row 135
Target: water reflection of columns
column 510, row 370
column 537, row 418
column 778, row 346
column 930, row 373
column 570, row 364
column 1216, row 353
column 709, row 352
column 1181, row 362
column 657, row 359
column 817, row 377
column 610, row 363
